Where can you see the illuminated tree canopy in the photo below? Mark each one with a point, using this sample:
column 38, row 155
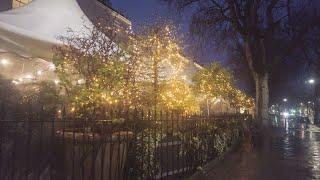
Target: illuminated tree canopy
column 178, row 95
column 96, row 73
column 240, row 100
column 92, row 70
column 161, row 59
column 216, row 83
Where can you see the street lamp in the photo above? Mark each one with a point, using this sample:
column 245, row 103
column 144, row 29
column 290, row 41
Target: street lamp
column 284, row 104
column 311, row 81
column 286, row 114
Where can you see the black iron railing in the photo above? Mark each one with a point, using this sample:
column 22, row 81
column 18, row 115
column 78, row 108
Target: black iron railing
column 130, row 145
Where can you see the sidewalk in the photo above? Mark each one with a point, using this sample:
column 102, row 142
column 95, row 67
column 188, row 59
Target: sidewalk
column 290, row 153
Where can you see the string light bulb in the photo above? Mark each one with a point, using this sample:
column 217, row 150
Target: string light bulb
column 39, row 72
column 56, row 81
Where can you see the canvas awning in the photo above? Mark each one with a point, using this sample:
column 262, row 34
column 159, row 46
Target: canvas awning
column 33, row 30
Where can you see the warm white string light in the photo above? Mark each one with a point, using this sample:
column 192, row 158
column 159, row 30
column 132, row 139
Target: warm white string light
column 39, row 72
column 56, row 81
column 28, row 77
column 4, row 62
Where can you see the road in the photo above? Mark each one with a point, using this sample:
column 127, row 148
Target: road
column 291, row 151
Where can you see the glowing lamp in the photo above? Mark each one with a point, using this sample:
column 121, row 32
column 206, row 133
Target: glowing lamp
column 311, row 81
column 4, row 62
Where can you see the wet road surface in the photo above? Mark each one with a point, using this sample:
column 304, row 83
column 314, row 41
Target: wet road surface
column 291, row 152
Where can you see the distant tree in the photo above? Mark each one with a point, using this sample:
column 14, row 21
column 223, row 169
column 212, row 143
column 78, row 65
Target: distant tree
column 264, row 32
column 240, row 101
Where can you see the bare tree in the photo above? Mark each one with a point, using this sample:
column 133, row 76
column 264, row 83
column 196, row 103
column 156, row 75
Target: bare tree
column 265, row 32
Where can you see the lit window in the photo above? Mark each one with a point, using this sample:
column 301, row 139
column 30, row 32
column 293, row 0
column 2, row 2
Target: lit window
column 19, row 3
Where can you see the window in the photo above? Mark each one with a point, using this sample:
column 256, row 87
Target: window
column 19, row 3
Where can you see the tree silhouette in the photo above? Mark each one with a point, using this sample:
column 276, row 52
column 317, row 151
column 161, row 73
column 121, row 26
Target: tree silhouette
column 263, row 32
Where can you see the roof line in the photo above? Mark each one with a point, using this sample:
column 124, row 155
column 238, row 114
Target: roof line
column 116, row 11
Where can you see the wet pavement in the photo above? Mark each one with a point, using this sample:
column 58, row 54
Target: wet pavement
column 292, row 151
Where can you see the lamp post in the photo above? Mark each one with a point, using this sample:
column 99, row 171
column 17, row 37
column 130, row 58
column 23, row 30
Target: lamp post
column 285, row 112
column 285, row 100
column 313, row 83
column 301, row 109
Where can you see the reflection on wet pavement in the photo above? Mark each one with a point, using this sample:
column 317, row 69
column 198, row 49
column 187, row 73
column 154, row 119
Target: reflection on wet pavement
column 291, row 151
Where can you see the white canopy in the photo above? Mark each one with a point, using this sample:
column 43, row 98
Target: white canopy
column 33, row 30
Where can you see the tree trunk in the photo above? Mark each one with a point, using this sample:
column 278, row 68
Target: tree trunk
column 208, row 107
column 262, row 98
column 155, row 82
column 256, row 57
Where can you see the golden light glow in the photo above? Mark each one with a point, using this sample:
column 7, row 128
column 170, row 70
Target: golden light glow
column 147, row 72
column 19, row 3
